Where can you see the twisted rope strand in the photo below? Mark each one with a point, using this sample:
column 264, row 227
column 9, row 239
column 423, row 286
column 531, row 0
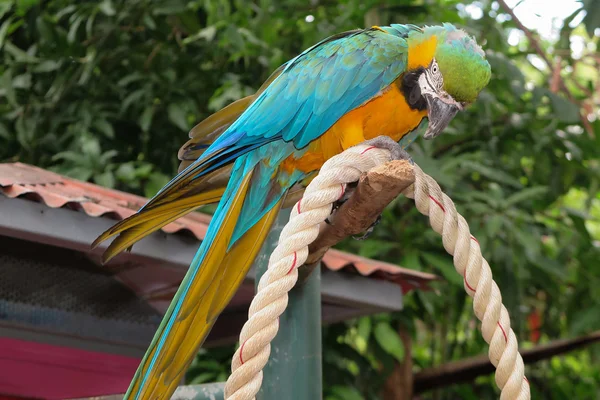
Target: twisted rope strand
column 478, row 283
column 302, row 229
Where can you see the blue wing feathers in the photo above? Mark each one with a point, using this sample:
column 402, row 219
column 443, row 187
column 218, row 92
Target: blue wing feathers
column 320, row 67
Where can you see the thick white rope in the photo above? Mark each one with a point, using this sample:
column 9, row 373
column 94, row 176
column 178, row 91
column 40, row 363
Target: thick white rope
column 302, row 229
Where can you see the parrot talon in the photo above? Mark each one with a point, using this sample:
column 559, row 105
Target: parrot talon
column 369, row 230
column 396, row 151
column 338, row 203
column 334, row 207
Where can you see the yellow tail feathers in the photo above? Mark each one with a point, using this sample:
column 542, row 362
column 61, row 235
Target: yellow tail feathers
column 217, row 279
column 142, row 224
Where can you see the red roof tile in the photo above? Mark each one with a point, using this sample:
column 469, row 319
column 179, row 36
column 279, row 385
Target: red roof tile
column 22, row 180
column 56, row 191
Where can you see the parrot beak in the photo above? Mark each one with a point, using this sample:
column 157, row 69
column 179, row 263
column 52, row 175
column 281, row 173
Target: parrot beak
column 441, row 110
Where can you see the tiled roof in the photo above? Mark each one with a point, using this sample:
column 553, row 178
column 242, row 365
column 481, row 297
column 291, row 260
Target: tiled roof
column 54, row 190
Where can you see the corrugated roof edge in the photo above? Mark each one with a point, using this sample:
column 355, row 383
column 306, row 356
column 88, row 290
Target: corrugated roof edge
column 58, row 191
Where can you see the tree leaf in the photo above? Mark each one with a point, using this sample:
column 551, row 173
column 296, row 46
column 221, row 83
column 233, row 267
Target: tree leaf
column 207, row 34
column 585, row 320
column 4, row 30
column 592, row 16
column 177, row 117
column 364, row 332
column 72, row 35
column 107, row 8
column 105, row 127
column 24, row 5
column 389, row 340
column 411, row 261
column 19, row 55
column 494, row 224
column 126, row 172
column 146, row 118
column 5, row 7
column 47, row 66
column 445, row 266
column 344, row 393
column 491, row 173
column 156, row 181
column 8, row 87
column 564, row 110
column 525, row 194
column 106, row 179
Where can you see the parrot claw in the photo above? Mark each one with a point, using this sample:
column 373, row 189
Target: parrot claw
column 338, row 203
column 386, row 142
column 334, row 207
column 369, row 230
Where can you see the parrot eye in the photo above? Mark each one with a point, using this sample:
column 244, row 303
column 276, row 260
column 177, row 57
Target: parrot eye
column 436, row 76
column 434, row 67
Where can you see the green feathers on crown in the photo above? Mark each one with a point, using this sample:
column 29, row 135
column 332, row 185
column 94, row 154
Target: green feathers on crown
column 461, row 60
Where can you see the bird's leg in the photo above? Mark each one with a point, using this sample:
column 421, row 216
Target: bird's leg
column 386, row 142
column 397, row 153
column 338, row 203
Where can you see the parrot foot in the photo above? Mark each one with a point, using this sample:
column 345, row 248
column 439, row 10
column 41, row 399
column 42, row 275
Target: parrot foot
column 386, row 142
column 334, row 207
column 338, row 203
column 369, row 230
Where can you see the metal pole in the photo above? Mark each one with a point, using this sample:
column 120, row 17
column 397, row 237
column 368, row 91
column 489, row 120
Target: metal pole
column 294, row 369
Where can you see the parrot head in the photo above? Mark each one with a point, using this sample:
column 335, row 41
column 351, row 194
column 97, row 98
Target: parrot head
column 453, row 79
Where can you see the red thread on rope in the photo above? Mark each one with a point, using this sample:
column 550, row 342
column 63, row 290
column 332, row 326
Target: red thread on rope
column 438, row 203
column 467, row 283
column 241, row 351
column 293, row 264
column 298, row 205
column 367, row 149
column 503, row 332
column 465, row 273
column 343, row 191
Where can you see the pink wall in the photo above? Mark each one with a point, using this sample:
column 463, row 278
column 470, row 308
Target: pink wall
column 38, row 370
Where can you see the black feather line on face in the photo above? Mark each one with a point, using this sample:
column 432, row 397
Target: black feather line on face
column 409, row 85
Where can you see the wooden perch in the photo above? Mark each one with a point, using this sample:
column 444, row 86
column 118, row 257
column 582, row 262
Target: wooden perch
column 375, row 190
column 468, row 369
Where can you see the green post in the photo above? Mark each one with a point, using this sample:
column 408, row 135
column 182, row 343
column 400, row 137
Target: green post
column 294, row 370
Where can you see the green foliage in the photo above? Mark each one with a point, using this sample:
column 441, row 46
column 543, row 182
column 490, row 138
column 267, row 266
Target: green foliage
column 106, row 91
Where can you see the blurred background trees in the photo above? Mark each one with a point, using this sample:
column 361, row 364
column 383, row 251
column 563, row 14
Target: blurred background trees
column 106, row 91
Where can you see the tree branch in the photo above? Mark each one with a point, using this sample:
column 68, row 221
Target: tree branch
column 399, row 384
column 468, row 369
column 375, row 190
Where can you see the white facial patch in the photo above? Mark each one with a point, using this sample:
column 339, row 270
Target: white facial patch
column 431, row 80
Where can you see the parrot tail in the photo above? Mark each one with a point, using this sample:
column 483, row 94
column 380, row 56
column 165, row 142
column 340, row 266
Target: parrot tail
column 163, row 210
column 214, row 276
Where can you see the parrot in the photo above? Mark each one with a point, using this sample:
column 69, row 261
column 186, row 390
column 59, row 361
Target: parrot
column 373, row 85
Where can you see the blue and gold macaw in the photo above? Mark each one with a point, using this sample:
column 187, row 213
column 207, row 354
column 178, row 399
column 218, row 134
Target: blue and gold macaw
column 249, row 157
